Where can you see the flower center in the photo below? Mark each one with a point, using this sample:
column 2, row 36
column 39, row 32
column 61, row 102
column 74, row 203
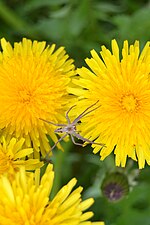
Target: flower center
column 129, row 103
column 25, row 96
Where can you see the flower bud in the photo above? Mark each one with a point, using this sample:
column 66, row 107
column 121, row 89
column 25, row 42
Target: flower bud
column 115, row 186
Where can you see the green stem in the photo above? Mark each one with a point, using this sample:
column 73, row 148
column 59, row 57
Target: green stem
column 58, row 167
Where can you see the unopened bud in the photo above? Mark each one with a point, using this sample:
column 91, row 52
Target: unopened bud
column 115, row 186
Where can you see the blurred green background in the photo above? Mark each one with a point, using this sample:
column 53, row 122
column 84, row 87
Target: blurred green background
column 81, row 25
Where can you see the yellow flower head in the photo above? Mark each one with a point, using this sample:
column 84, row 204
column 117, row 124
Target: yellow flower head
column 26, row 201
column 122, row 121
column 12, row 157
column 33, row 85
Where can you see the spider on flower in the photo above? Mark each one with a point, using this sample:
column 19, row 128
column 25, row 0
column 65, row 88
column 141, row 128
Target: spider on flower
column 70, row 128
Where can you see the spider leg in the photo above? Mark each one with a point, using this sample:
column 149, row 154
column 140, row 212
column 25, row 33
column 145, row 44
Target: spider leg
column 55, row 124
column 72, row 138
column 86, row 140
column 85, row 112
column 59, row 140
column 80, row 116
column 67, row 114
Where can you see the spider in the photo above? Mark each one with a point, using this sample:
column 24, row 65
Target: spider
column 70, row 128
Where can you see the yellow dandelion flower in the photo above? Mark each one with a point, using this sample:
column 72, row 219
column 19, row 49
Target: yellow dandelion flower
column 33, row 85
column 122, row 87
column 12, row 156
column 26, row 201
